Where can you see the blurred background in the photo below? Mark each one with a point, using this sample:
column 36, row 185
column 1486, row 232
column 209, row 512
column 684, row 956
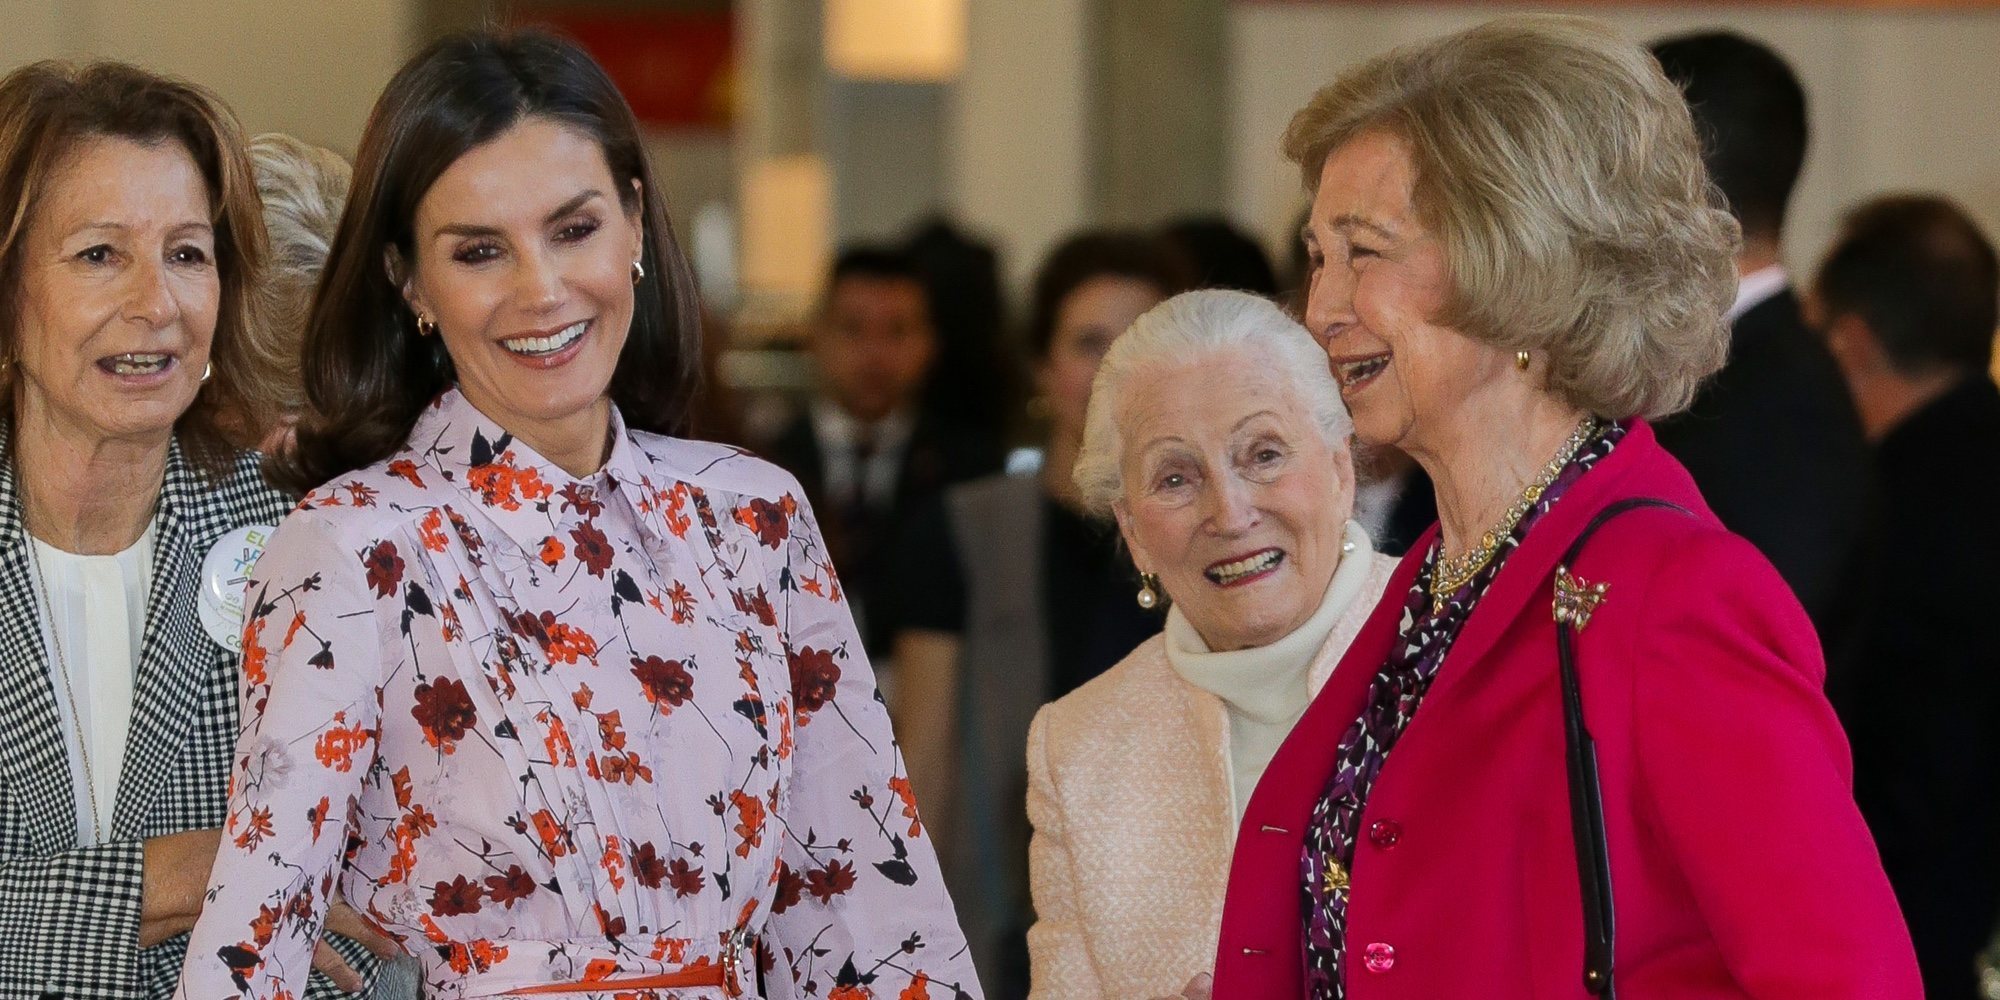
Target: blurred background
column 786, row 129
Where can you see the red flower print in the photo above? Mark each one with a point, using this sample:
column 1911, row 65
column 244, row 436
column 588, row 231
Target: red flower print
column 456, row 897
column 919, row 989
column 790, row 888
column 901, row 786
column 360, row 494
column 834, row 879
column 592, row 548
column 749, row 822
column 445, row 712
column 582, row 499
column 255, row 829
column 683, row 603
column 685, row 880
column 506, row 888
column 554, row 837
column 552, row 551
column 815, row 679
column 335, row 747
column 648, row 867
column 755, row 603
column 385, row 568
column 667, row 682
column 403, row 468
column 767, row 520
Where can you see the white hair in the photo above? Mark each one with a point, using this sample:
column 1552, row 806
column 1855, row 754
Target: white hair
column 1192, row 328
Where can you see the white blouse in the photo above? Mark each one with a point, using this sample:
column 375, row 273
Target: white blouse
column 93, row 624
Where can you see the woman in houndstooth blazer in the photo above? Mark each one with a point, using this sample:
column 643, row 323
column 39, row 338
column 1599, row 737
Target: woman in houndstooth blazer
column 128, row 350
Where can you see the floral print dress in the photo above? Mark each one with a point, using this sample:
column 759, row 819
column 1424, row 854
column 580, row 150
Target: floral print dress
column 1425, row 637
column 545, row 730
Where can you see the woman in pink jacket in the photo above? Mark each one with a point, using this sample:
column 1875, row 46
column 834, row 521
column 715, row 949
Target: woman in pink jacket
column 1518, row 260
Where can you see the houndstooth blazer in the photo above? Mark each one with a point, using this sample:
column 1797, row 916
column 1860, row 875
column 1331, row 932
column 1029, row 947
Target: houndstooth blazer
column 69, row 915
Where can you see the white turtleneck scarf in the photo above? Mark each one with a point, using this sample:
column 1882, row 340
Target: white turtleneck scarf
column 1265, row 688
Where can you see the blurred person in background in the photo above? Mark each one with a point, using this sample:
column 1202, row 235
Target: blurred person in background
column 1218, row 439
column 972, row 384
column 1908, row 297
column 865, row 451
column 128, row 363
column 1219, row 255
column 1516, row 346
column 1800, row 504
column 1009, row 594
column 303, row 188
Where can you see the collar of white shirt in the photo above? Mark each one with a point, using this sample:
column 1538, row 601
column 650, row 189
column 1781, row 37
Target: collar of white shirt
column 1756, row 288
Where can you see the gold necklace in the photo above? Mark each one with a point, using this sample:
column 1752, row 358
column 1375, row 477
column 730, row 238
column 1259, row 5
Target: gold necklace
column 1454, row 573
column 69, row 692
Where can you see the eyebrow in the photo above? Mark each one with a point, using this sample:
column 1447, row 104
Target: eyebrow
column 467, row 229
column 1349, row 220
column 1273, row 414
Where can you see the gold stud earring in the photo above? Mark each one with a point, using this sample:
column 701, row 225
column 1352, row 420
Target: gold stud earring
column 1521, row 360
column 638, row 272
column 207, row 369
column 425, row 327
column 1149, row 597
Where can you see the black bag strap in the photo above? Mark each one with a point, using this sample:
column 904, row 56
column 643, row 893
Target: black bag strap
column 1586, row 795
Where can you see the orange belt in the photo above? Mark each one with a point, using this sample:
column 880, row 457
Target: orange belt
column 706, row 975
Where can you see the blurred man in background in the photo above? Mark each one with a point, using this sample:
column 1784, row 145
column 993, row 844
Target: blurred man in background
column 1772, row 440
column 1907, row 300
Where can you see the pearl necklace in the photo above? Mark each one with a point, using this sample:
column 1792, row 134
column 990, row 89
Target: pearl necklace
column 1454, row 573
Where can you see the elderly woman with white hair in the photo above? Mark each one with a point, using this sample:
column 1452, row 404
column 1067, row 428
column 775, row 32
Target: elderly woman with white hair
column 1217, row 438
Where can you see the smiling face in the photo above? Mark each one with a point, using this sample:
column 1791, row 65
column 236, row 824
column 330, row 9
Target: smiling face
column 523, row 259
column 1087, row 321
column 119, row 292
column 1379, row 277
column 1233, row 496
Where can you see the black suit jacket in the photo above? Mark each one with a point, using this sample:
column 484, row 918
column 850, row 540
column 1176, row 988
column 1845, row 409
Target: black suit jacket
column 1914, row 671
column 1775, row 446
column 938, row 455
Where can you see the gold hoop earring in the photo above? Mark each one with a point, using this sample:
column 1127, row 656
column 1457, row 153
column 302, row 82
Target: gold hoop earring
column 1149, row 598
column 425, row 327
column 1521, row 360
column 638, row 272
column 207, row 369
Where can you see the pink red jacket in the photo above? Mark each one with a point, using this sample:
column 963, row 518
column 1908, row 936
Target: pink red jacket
column 1740, row 865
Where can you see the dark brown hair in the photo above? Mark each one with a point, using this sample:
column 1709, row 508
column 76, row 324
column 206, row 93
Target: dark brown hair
column 1917, row 269
column 1092, row 254
column 367, row 374
column 47, row 111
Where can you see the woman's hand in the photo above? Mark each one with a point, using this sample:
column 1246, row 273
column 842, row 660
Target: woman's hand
column 345, row 921
column 176, row 876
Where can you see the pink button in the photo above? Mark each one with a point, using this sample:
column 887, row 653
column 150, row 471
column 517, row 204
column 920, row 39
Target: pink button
column 1378, row 957
column 1385, row 833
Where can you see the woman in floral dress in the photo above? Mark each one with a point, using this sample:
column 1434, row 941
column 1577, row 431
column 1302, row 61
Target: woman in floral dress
column 561, row 704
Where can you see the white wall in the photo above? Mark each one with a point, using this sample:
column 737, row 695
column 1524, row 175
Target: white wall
column 311, row 69
column 1016, row 161
column 1899, row 101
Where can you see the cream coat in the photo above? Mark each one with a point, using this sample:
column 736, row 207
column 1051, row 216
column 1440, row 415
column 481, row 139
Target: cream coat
column 1128, row 791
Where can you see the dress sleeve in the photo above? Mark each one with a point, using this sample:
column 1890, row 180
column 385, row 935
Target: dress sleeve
column 312, row 689
column 1058, row 958
column 1748, row 779
column 860, row 902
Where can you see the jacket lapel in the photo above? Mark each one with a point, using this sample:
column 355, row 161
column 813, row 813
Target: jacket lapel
column 34, row 763
column 176, row 654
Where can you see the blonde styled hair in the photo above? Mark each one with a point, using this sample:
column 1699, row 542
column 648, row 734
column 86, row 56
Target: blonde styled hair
column 1561, row 172
column 304, row 189
column 1202, row 327
column 50, row 109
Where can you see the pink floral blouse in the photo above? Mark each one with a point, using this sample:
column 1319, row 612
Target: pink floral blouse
column 551, row 730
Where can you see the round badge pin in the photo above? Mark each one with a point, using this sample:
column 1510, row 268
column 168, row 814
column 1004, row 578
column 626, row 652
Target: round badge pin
column 225, row 573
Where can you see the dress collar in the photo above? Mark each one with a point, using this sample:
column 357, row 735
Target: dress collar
column 515, row 487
